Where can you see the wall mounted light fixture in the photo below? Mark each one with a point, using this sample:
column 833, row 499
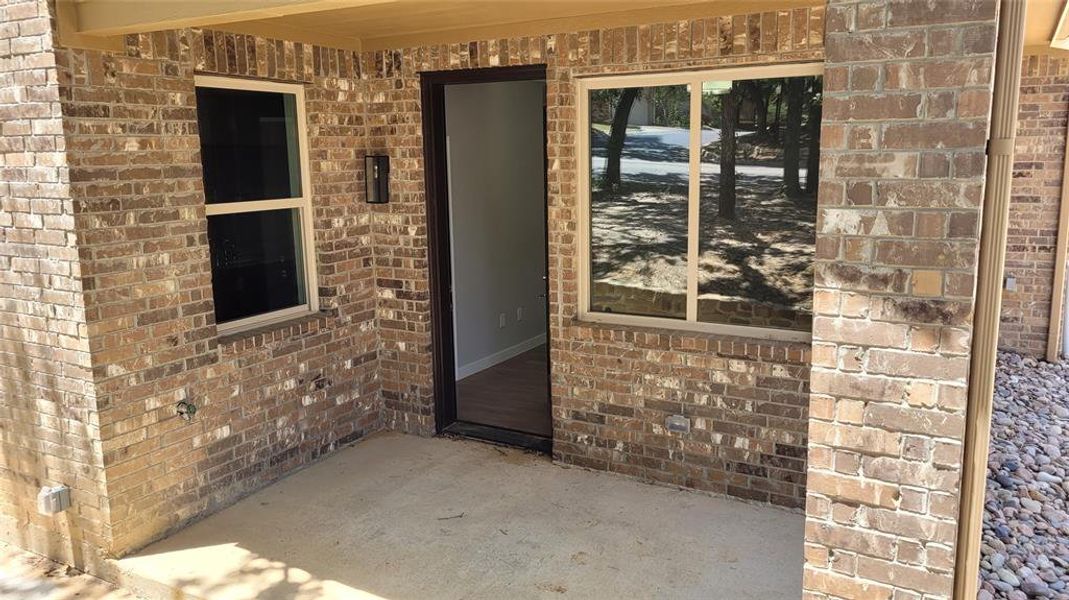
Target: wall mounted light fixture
column 377, row 178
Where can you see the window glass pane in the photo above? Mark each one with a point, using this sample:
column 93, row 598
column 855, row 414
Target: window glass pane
column 639, row 175
column 248, row 145
column 257, row 263
column 760, row 147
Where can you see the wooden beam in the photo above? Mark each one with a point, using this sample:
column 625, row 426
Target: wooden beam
column 1045, row 50
column 67, row 34
column 993, row 231
column 1060, row 39
column 114, row 17
column 280, row 30
column 1061, row 254
column 614, row 16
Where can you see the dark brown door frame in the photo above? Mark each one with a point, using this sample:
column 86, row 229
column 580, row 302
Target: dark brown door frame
column 432, row 96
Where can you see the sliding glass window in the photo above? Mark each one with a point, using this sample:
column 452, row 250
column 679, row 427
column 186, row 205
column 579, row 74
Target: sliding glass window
column 698, row 199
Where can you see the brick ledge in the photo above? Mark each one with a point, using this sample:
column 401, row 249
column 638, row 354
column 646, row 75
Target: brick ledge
column 281, row 330
column 720, row 337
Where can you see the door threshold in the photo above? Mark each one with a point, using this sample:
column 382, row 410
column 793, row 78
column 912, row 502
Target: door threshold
column 504, row 437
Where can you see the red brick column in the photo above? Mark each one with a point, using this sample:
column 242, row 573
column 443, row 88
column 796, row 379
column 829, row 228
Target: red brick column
column 908, row 88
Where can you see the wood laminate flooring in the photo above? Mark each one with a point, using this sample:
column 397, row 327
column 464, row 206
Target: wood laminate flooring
column 512, row 395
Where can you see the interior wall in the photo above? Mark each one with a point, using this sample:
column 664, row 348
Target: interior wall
column 497, row 213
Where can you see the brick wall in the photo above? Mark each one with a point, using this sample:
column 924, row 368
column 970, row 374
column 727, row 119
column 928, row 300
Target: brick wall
column 124, row 328
column 269, row 401
column 612, row 387
column 1036, row 197
column 48, row 412
column 906, row 112
column 134, row 326
column 101, row 344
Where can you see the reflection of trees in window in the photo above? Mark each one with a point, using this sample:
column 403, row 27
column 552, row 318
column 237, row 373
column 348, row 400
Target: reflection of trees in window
column 813, row 99
column 792, row 139
column 764, row 121
column 757, row 210
column 615, row 104
column 754, row 205
column 729, row 116
column 779, row 119
column 669, row 106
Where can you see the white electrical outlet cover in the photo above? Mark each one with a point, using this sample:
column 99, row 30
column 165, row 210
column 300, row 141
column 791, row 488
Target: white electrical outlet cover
column 52, row 500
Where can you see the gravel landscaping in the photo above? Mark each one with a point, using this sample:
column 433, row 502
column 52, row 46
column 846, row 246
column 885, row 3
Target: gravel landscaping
column 1025, row 552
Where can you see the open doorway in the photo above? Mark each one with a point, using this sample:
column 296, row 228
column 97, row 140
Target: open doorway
column 484, row 134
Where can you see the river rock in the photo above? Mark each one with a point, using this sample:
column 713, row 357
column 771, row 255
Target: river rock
column 1025, row 546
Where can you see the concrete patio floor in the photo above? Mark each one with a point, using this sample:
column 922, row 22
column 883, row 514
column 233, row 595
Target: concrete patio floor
column 27, row 576
column 401, row 517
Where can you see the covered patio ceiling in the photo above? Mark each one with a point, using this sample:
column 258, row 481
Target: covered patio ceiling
column 1047, row 26
column 382, row 24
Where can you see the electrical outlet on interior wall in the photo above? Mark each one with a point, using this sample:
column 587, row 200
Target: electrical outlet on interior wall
column 501, row 321
column 519, row 313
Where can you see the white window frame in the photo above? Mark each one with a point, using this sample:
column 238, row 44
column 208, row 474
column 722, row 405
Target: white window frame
column 694, row 79
column 303, row 204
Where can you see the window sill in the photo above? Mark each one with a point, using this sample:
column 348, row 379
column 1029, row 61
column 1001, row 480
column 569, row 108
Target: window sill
column 702, row 342
column 276, row 331
column 714, row 331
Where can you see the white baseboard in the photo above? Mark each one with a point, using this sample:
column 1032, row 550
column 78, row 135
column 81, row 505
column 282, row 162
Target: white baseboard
column 499, row 357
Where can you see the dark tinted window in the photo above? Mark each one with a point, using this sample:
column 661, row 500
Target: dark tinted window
column 256, row 263
column 248, row 144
